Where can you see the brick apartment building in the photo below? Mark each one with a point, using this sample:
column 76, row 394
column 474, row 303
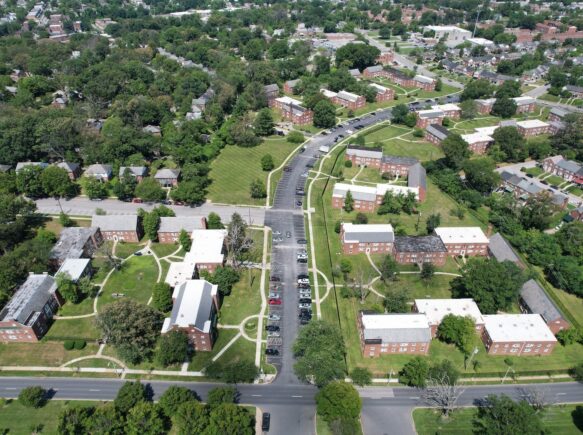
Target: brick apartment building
column 464, row 241
column 557, row 114
column 195, row 312
column 450, row 110
column 428, row 117
column 419, row 250
column 271, row 93
column 577, row 214
column 364, row 156
column 437, row 309
column 517, row 334
column 382, row 334
column 478, row 143
column 423, row 82
column 171, row 226
column 374, row 239
column 368, row 198
column 208, row 249
column 386, row 57
column 123, row 228
column 400, row 78
column 535, row 300
column 397, row 165
column 75, row 242
column 290, row 85
column 525, row 104
column 500, row 249
column 436, row 133
column 566, row 169
column 375, row 71
column 292, row 110
column 529, row 127
column 349, row 100
column 484, row 106
column 28, row 314
column 383, row 93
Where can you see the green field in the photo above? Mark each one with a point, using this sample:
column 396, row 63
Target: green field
column 560, row 419
column 408, row 146
column 73, row 328
column 535, row 172
column 44, row 353
column 235, row 168
column 244, row 300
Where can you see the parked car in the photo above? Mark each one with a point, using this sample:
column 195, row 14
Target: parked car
column 274, row 317
column 287, row 169
column 302, row 150
column 298, row 203
column 138, row 254
column 273, row 334
column 277, row 233
column 271, row 328
column 273, row 295
column 302, row 260
column 275, row 278
column 304, row 305
column 275, row 302
column 302, row 242
column 305, row 300
column 271, row 351
column 300, row 192
column 303, row 281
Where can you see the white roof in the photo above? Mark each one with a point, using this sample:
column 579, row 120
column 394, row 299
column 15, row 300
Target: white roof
column 523, row 100
column 486, row 101
column 328, row 93
column 430, row 113
column 486, row 130
column 74, row 267
column 532, row 123
column 396, row 189
column 447, row 29
column 379, row 88
column 481, row 41
column 394, row 321
column 446, row 107
column 437, row 309
column 477, row 137
column 178, row 272
column 364, row 152
column 423, row 79
column 192, row 305
column 379, row 233
column 348, row 96
column 517, row 328
column 288, row 100
column 207, row 246
column 461, row 235
column 340, row 189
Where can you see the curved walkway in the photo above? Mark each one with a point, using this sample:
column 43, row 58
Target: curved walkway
column 88, row 357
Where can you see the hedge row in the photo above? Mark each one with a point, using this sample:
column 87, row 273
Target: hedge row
column 74, row 344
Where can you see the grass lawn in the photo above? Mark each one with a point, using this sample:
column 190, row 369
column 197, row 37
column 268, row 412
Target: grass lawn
column 419, row 149
column 124, row 250
column 235, row 168
column 100, row 269
column 83, row 307
column 244, row 300
column 554, row 180
column 135, row 280
column 549, row 97
column 535, row 172
column 575, row 190
column 241, row 349
column 63, row 329
column 54, row 225
column 17, row 419
column 436, row 288
column 468, row 126
column 164, row 249
column 556, row 420
column 43, row 353
column 386, row 133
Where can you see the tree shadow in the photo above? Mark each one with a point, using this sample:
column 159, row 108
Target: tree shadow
column 577, row 416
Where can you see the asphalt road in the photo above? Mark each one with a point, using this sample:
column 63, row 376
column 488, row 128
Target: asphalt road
column 82, row 206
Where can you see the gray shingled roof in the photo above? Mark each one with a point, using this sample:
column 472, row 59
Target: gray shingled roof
column 5, row 168
column 29, row 299
column 419, row 244
column 99, row 169
column 439, row 131
column 399, row 160
column 271, row 88
column 167, row 173
column 71, row 242
column 501, row 249
column 369, row 237
column 175, row 224
column 115, row 222
column 68, row 166
column 538, row 302
column 137, row 171
column 559, row 112
column 376, row 68
column 417, row 176
column 569, row 165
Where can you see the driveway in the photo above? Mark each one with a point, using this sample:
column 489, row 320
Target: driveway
column 82, row 206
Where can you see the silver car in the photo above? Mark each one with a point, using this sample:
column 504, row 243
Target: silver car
column 274, row 317
column 273, row 334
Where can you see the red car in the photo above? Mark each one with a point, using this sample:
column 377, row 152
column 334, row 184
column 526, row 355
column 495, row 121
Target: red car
column 275, row 302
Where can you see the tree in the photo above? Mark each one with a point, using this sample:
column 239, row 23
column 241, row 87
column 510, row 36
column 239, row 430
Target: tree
column 295, row 137
column 162, row 297
column 233, row 372
column 391, row 204
column 129, row 395
column 189, row 192
column 263, row 123
column 477, row 89
column 324, row 114
column 538, row 211
column 360, row 219
column 361, row 376
column 427, row 271
column 348, row 202
column 433, row 221
column 56, row 183
column 385, row 32
column 228, row 418
column 570, row 239
column 458, row 330
column 65, row 220
column 150, row 190
column 502, row 415
column 338, row 400
column 509, row 89
column 74, row 420
column 33, row 397
column 225, row 278
column 146, row 419
column 442, row 392
column 511, row 143
column 504, row 107
column 237, row 241
column 219, row 395
column 67, row 288
column 396, row 301
column 565, row 273
column 174, row 397
column 389, row 268
column 191, row 418
column 399, row 113
column 267, row 162
column 151, row 220
column 126, row 186
column 172, row 348
column 493, row 285
column 414, row 373
column 131, row 327
column 469, row 109
column 322, row 64
column 257, row 189
column 95, row 189
column 480, row 174
column 213, row 221
column 106, row 420
column 456, row 150
column 319, row 351
column 577, row 372
column 184, row 240
column 357, row 55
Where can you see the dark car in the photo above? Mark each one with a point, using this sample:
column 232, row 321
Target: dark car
column 271, row 351
column 303, row 276
column 287, row 169
column 305, row 301
column 271, row 328
column 275, row 278
column 299, row 203
column 302, row 150
column 340, row 136
column 304, row 321
column 265, row 421
column 303, row 260
column 302, row 241
column 304, row 286
column 309, row 165
column 137, row 254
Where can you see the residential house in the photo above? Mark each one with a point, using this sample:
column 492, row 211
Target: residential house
column 428, row 117
column 101, row 23
column 576, row 91
column 208, row 249
column 522, row 189
column 478, row 142
column 153, row 130
column 167, row 177
column 99, row 172
column 123, row 228
column 463, row 241
column 28, row 314
column 138, row 172
column 73, row 169
column 517, row 334
column 525, row 104
column 494, row 78
column 450, row 110
column 290, row 85
column 171, row 226
column 382, row 334
column 500, row 249
column 364, row 156
column 374, row 239
column 21, row 165
column 349, row 100
column 203, row 101
column 5, row 168
column 484, row 106
column 271, row 92
column 75, row 242
column 195, row 312
column 437, row 309
column 76, row 268
column 292, row 110
column 535, row 300
column 419, row 250
column 567, row 169
column 558, row 114
column 383, row 93
column 60, row 100
column 355, row 72
column 436, row 133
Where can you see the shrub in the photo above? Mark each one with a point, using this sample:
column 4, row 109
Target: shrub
column 69, row 344
column 418, row 132
column 348, row 164
column 295, row 137
column 33, row 397
column 80, row 344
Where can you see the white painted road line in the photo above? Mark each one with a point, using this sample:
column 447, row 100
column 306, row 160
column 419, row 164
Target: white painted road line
column 8, row 388
column 256, row 395
column 561, row 394
column 297, row 396
column 94, row 390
